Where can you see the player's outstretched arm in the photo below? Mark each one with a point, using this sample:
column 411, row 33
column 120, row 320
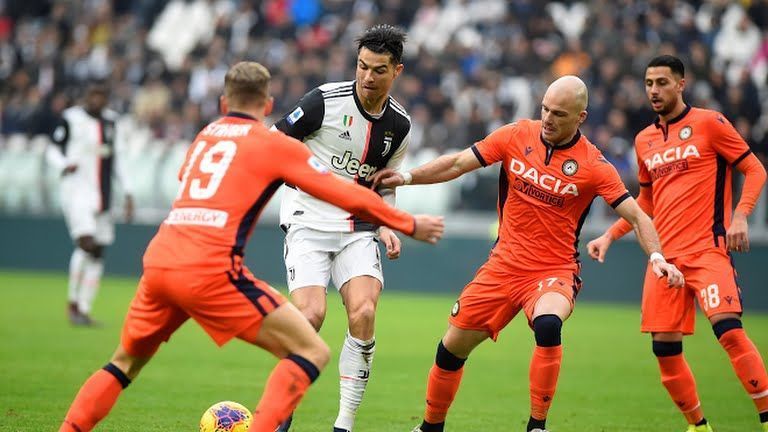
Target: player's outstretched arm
column 302, row 169
column 649, row 241
column 442, row 169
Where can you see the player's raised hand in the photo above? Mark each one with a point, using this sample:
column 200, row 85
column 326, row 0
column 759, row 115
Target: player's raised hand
column 598, row 247
column 387, row 178
column 391, row 242
column 737, row 237
column 662, row 268
column 429, row 228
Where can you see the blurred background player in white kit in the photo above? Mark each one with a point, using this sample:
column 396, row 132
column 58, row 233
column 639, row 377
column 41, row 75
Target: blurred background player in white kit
column 83, row 151
column 355, row 128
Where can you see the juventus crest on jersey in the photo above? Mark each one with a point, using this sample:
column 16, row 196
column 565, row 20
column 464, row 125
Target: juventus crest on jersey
column 351, row 142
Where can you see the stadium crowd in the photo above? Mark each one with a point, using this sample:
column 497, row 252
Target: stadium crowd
column 470, row 66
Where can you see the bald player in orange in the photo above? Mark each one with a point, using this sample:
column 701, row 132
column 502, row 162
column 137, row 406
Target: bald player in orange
column 550, row 173
column 194, row 266
column 686, row 159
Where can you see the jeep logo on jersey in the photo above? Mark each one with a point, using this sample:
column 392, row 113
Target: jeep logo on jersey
column 546, row 181
column 352, row 166
column 346, row 120
column 685, row 133
column 671, row 155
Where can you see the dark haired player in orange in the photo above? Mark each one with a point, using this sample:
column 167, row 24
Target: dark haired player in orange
column 686, row 158
column 194, row 266
column 550, row 174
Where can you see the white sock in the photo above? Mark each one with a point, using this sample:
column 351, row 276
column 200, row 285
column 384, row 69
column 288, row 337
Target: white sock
column 76, row 264
column 91, row 280
column 355, row 363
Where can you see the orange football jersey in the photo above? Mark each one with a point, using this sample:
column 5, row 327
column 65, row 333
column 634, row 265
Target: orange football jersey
column 689, row 166
column 545, row 194
column 231, row 170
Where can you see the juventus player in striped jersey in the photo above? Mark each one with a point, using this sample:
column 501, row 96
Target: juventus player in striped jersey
column 83, row 151
column 355, row 128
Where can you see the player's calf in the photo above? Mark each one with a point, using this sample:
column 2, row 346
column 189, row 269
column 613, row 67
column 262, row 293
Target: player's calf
column 95, row 399
column 444, row 379
column 746, row 361
column 677, row 378
column 545, row 368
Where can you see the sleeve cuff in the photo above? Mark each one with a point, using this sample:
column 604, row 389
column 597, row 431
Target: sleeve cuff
column 478, row 155
column 620, row 200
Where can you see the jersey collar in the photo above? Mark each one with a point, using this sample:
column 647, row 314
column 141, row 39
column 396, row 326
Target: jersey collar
column 657, row 122
column 362, row 110
column 240, row 115
column 551, row 148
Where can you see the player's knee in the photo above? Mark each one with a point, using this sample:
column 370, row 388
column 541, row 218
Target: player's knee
column 315, row 314
column 547, row 330
column 318, row 353
column 446, row 360
column 118, row 373
column 363, row 314
column 309, row 366
column 722, row 327
column 667, row 349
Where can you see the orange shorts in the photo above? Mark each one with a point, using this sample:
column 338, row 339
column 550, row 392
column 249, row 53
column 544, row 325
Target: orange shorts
column 224, row 304
column 709, row 277
column 490, row 301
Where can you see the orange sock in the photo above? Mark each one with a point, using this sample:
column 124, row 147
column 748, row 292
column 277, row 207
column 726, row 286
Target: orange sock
column 441, row 390
column 679, row 382
column 543, row 374
column 286, row 385
column 748, row 365
column 94, row 400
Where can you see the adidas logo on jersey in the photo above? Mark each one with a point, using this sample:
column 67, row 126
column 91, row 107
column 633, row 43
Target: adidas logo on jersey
column 345, row 135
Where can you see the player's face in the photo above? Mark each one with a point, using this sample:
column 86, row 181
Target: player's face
column 375, row 74
column 96, row 100
column 560, row 117
column 663, row 88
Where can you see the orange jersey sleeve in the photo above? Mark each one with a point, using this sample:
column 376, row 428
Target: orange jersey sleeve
column 754, row 180
column 302, row 169
column 608, row 183
column 492, row 148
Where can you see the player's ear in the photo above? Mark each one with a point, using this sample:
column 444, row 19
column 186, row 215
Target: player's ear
column 681, row 84
column 223, row 105
column 269, row 106
column 583, row 116
column 399, row 69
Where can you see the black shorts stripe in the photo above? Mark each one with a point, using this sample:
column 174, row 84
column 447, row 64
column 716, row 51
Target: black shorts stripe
column 252, row 292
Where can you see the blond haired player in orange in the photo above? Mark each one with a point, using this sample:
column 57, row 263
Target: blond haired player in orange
column 686, row 159
column 194, row 266
column 550, row 173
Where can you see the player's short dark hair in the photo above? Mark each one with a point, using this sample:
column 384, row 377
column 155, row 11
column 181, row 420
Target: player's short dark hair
column 98, row 86
column 247, row 83
column 384, row 38
column 672, row 62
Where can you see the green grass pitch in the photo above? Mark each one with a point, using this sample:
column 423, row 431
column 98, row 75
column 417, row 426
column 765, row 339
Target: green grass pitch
column 608, row 382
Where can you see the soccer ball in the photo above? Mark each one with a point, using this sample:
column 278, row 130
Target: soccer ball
column 226, row 416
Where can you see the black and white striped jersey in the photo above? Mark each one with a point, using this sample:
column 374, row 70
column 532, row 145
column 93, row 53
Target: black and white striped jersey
column 352, row 143
column 88, row 142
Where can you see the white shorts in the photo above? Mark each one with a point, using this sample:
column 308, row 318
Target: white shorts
column 83, row 218
column 314, row 257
